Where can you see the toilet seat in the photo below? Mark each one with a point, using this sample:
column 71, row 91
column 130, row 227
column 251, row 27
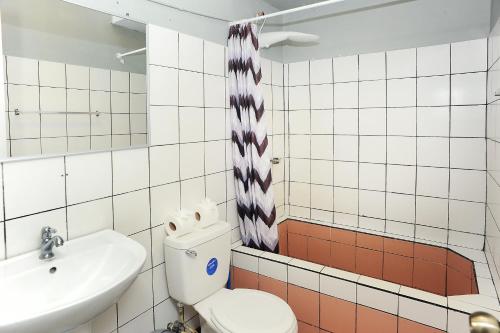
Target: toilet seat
column 247, row 311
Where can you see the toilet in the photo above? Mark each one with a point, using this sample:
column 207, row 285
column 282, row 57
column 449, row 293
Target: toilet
column 197, row 271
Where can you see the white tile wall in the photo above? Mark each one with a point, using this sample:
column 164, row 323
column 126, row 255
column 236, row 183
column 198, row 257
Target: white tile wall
column 34, row 85
column 403, row 145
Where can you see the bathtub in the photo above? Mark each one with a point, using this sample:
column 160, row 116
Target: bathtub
column 349, row 281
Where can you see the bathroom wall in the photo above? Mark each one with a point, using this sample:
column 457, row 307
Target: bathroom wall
column 133, row 190
column 42, row 86
column 492, row 246
column 392, row 142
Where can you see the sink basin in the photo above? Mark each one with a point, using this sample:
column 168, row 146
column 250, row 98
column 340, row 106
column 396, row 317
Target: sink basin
column 86, row 277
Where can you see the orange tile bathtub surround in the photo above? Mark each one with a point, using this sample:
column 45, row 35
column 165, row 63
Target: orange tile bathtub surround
column 320, row 313
column 426, row 267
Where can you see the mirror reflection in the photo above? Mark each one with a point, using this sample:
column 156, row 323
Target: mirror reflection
column 75, row 79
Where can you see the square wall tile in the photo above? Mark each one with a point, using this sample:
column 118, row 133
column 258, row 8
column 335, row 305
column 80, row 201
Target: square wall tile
column 322, row 147
column 298, row 73
column 372, row 121
column 468, row 153
column 100, row 79
column 467, row 185
column 401, row 150
column 164, row 166
column 300, row 170
column 433, row 121
column 23, row 97
column 163, row 46
column 400, row 207
column 90, row 217
column 214, row 91
column 52, row 74
column 321, row 71
column 401, row 179
column 322, row 172
column 192, row 192
column 214, row 151
column 401, row 121
column 433, row 91
column 190, row 53
column 165, row 200
column 42, row 190
column 163, row 86
column 469, row 56
column 372, row 149
column 468, row 121
column 77, row 77
column 89, row 177
column 191, row 160
column 136, row 300
column 433, row 152
column 432, row 212
column 130, row 170
column 372, row 176
column 345, row 69
column 164, row 125
column 401, row 92
column 372, row 94
column 432, row 181
column 372, row 66
column 345, row 148
column 433, row 60
column 322, row 96
column 2, row 243
column 299, row 98
column 131, row 212
column 468, row 89
column 321, row 121
column 372, row 204
column 22, row 70
column 345, row 95
column 345, row 174
column 322, row 197
column 214, row 58
column 467, row 216
column 190, row 89
column 191, row 124
column 345, row 121
column 401, row 63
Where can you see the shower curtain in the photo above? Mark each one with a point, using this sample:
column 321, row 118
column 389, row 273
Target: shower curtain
column 251, row 160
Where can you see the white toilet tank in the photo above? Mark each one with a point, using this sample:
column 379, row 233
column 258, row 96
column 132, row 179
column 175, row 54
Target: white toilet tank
column 197, row 264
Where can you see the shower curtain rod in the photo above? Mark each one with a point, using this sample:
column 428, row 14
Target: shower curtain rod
column 284, row 12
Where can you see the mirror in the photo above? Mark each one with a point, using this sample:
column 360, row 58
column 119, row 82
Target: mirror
column 75, row 79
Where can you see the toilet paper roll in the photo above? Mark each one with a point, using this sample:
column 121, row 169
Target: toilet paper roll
column 206, row 214
column 179, row 224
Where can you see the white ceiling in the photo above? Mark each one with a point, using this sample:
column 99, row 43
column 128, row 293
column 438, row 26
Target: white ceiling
column 287, row 4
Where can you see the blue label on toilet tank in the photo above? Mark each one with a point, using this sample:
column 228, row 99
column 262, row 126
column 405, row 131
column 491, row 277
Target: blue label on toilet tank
column 212, row 266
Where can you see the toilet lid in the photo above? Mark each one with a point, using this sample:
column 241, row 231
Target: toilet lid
column 252, row 311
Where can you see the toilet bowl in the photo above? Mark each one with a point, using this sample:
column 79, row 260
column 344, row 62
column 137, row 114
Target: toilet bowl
column 197, row 271
column 245, row 311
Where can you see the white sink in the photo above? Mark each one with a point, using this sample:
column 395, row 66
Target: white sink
column 91, row 273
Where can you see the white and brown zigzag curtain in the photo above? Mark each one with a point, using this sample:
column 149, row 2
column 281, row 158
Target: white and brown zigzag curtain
column 251, row 161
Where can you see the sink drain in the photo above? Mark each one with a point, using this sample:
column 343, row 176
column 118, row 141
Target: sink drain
column 52, row 270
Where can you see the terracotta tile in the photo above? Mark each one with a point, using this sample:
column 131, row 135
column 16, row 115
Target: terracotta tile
column 297, row 227
column 343, row 256
column 408, row 326
column 306, row 328
column 459, row 263
column 319, row 231
column 398, row 269
column 297, row 246
column 231, row 277
column 337, row 315
column 344, row 236
column 371, row 242
column 283, row 238
column 371, row 321
column 429, row 276
column 457, row 283
column 399, row 247
column 273, row 286
column 318, row 251
column 369, row 262
column 430, row 253
column 323, row 331
column 305, row 304
column 245, row 279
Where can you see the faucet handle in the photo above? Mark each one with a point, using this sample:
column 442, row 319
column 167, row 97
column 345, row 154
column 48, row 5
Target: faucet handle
column 47, row 232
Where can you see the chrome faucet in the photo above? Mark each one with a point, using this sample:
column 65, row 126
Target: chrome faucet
column 48, row 242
